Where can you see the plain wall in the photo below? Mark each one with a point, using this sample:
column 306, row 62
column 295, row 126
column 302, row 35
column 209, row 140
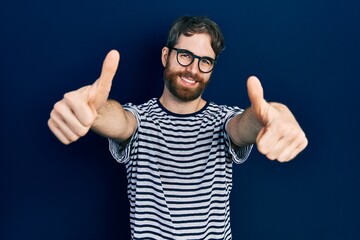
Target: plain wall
column 306, row 53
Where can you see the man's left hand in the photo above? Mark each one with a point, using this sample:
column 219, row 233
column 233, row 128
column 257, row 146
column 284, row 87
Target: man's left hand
column 280, row 137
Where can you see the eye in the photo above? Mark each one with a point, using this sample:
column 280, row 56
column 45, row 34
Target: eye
column 207, row 61
column 185, row 54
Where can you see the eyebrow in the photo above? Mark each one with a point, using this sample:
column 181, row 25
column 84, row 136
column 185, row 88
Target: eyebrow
column 184, row 49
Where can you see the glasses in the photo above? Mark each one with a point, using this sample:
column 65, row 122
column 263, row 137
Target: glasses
column 186, row 58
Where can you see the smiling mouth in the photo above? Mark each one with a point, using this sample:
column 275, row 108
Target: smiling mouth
column 188, row 80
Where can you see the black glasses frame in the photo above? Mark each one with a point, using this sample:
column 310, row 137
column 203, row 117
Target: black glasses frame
column 179, row 50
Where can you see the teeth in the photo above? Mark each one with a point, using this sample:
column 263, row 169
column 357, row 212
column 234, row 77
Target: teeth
column 188, row 80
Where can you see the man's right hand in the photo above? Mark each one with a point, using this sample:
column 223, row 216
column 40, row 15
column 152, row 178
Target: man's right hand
column 73, row 116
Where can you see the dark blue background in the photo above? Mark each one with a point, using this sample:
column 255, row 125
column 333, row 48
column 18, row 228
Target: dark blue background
column 305, row 52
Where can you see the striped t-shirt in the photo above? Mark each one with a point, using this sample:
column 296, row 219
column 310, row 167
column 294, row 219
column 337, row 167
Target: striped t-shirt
column 179, row 171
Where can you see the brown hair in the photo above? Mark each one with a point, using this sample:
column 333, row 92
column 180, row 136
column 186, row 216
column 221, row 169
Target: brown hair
column 190, row 25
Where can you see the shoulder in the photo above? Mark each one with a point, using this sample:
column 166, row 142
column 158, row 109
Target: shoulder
column 214, row 108
column 146, row 112
column 144, row 107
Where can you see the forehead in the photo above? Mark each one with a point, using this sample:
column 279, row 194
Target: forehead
column 199, row 44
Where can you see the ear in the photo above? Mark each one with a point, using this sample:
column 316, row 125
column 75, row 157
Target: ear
column 164, row 55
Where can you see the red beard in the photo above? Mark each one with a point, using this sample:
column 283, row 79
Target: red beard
column 181, row 92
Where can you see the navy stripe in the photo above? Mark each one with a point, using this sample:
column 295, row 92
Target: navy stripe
column 179, row 170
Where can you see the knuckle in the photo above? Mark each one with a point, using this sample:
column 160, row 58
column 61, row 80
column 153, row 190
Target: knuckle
column 261, row 148
column 58, row 106
column 302, row 139
column 53, row 115
column 69, row 95
column 88, row 121
column 284, row 158
column 295, row 133
column 51, row 124
column 304, row 144
column 283, row 128
column 82, row 132
column 270, row 156
column 303, row 136
column 72, row 138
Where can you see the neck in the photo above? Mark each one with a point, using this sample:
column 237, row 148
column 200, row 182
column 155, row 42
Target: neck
column 178, row 106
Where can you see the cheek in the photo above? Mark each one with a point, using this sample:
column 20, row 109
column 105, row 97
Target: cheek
column 173, row 67
column 207, row 77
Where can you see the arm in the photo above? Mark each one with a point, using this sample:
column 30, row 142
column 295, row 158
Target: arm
column 113, row 121
column 244, row 128
column 271, row 126
column 89, row 108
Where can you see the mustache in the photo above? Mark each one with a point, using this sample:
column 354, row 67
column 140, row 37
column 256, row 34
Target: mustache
column 187, row 74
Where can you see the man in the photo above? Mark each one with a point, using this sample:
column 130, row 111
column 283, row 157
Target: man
column 179, row 149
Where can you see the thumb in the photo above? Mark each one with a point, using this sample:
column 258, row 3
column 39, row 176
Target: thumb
column 256, row 96
column 99, row 90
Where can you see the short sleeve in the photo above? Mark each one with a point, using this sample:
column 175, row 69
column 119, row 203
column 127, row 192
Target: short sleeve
column 239, row 154
column 121, row 151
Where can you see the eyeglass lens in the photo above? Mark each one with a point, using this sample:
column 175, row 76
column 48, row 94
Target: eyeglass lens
column 185, row 58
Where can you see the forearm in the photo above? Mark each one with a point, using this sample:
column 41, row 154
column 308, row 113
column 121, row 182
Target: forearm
column 244, row 128
column 113, row 121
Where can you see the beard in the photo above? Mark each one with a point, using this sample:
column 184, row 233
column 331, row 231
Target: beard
column 185, row 94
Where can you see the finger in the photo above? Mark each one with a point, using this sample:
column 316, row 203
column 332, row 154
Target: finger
column 60, row 129
column 76, row 103
column 109, row 68
column 299, row 142
column 287, row 146
column 56, row 131
column 260, row 146
column 255, row 93
column 260, row 135
column 299, row 148
column 67, row 119
column 282, row 150
column 294, row 141
column 103, row 84
column 267, row 140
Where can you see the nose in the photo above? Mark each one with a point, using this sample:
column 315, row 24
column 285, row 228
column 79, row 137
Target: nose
column 193, row 67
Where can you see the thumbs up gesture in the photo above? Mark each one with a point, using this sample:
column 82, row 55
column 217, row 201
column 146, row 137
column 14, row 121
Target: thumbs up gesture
column 280, row 136
column 72, row 116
